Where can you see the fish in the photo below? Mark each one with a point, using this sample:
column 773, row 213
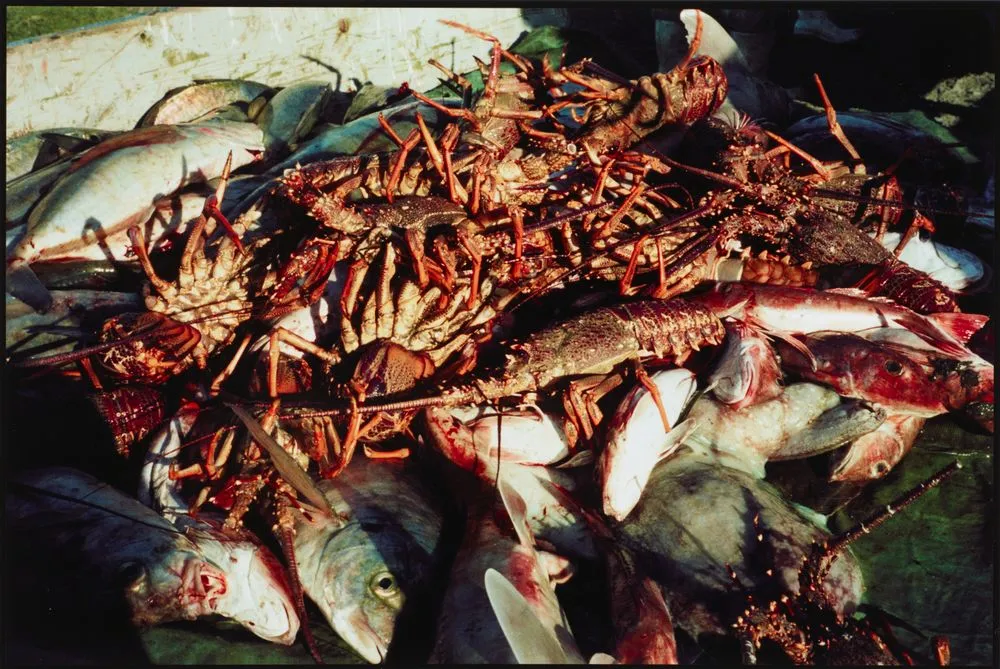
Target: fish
column 373, row 557
column 186, row 103
column 363, row 135
column 806, row 419
column 497, row 537
column 893, row 369
column 747, row 93
column 636, row 439
column 529, row 639
column 257, row 595
column 107, row 548
column 291, row 114
column 747, row 372
column 172, row 217
column 643, row 628
column 34, row 150
column 117, row 183
column 24, row 192
column 526, row 436
column 57, row 330
column 959, row 270
column 782, row 311
column 873, row 455
column 548, row 516
column 698, row 516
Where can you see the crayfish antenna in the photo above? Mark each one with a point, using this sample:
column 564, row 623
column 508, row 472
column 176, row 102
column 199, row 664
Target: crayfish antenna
column 835, row 546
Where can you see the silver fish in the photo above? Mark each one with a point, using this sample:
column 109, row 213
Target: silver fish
column 186, row 103
column 468, row 630
column 362, row 566
column 29, row 152
column 111, row 546
column 257, row 594
column 548, row 517
column 118, row 183
column 636, row 439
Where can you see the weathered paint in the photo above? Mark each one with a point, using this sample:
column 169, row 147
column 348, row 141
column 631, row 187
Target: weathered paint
column 80, row 78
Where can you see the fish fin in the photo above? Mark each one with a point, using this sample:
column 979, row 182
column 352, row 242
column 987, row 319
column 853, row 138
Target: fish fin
column 287, row 467
column 602, row 658
column 580, row 459
column 529, row 639
column 558, row 568
column 931, row 332
column 736, row 311
column 850, row 292
column 959, row 325
column 796, row 344
column 23, row 283
column 716, row 42
column 517, row 510
column 676, row 437
column 832, row 429
column 812, row 515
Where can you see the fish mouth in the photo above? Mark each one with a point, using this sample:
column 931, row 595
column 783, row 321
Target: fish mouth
column 268, row 610
column 353, row 627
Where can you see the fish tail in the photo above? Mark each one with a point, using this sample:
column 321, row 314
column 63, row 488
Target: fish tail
column 24, row 284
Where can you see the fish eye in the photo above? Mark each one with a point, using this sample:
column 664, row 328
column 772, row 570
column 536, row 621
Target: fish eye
column 880, row 468
column 130, row 573
column 384, row 585
column 893, row 367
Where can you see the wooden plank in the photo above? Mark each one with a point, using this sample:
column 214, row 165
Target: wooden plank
column 108, row 76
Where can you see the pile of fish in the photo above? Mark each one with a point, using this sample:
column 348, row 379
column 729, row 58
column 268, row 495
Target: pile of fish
column 248, row 297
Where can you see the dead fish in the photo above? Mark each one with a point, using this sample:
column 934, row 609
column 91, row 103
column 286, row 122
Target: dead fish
column 526, row 435
column 257, row 594
column 806, row 419
column 891, row 372
column 118, row 183
column 549, row 518
column 290, row 115
column 371, row 99
column 747, row 372
column 747, row 94
column 873, row 455
column 171, row 218
column 185, row 103
column 363, row 567
column 497, row 537
column 57, row 330
column 957, row 269
column 24, row 192
column 696, row 517
column 644, row 630
column 636, row 439
column 110, row 546
column 34, row 150
column 781, row 311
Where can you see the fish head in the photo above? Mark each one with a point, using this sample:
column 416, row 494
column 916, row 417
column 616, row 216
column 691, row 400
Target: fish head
column 368, row 570
column 178, row 585
column 748, row 372
column 258, row 596
column 895, row 377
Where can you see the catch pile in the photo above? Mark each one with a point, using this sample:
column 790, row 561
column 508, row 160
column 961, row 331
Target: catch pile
column 561, row 351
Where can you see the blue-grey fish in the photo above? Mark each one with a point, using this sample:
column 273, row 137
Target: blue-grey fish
column 362, row 565
column 108, row 548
